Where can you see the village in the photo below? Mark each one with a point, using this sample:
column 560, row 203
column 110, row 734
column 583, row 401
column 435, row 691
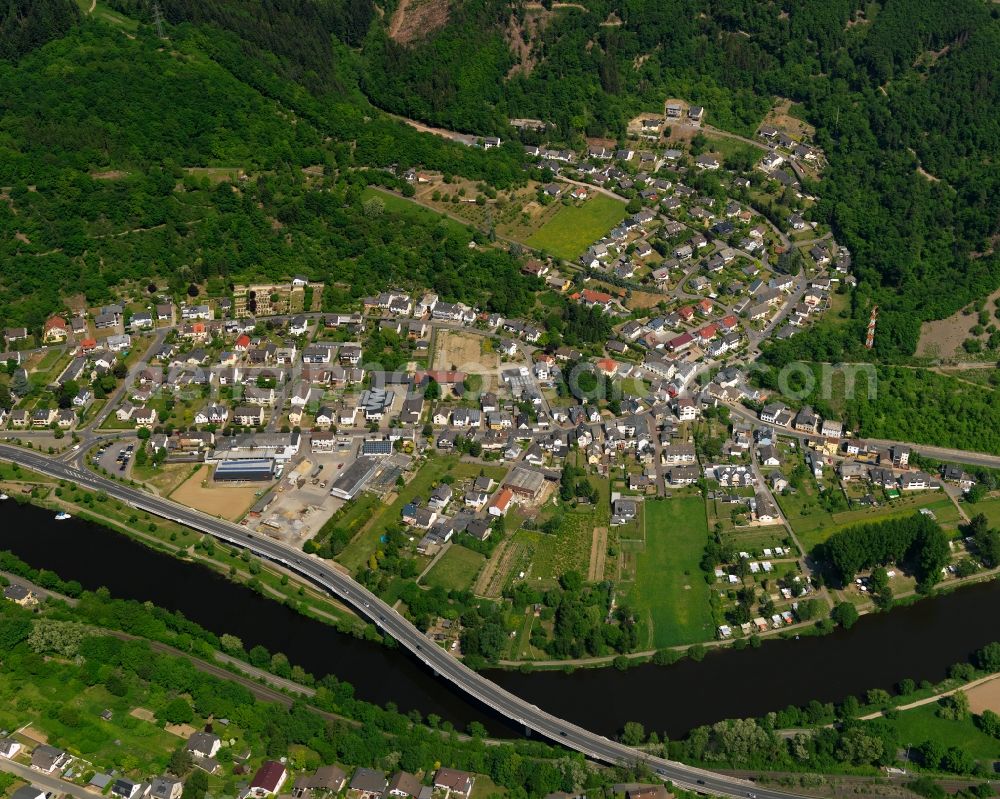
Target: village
column 447, row 431
column 272, row 778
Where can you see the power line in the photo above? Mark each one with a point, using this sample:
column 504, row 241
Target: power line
column 158, row 20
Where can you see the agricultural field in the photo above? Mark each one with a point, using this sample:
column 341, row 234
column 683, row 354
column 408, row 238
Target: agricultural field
column 455, row 570
column 669, row 593
column 573, row 228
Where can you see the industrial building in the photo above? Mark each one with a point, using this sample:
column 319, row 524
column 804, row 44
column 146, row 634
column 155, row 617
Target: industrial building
column 355, row 477
column 244, row 470
column 526, row 483
column 254, row 446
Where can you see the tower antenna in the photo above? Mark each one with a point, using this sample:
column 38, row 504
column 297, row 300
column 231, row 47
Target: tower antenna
column 158, row 20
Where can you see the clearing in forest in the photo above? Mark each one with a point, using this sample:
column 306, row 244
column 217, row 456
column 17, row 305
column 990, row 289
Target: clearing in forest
column 416, row 19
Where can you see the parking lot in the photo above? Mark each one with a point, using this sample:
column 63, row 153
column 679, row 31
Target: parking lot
column 115, row 457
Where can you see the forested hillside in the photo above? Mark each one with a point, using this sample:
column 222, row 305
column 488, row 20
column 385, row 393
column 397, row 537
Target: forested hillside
column 118, row 159
column 890, row 88
column 903, row 95
column 27, row 24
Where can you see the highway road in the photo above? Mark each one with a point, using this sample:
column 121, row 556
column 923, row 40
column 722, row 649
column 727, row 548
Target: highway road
column 389, row 621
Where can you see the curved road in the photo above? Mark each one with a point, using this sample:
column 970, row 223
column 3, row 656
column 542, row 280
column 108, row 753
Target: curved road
column 389, row 621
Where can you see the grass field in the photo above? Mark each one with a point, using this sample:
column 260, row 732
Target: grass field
column 574, row 228
column 990, row 508
column 456, row 570
column 816, row 525
column 922, row 724
column 669, row 591
column 409, row 209
column 726, row 147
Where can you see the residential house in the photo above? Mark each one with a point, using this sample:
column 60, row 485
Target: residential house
column 368, row 783
column 127, row 789
column 900, row 455
column 144, row 417
column 912, row 481
column 48, row 759
column 806, row 421
column 454, row 782
column 327, row 779
column 268, row 780
column 248, row 416
column 832, row 428
column 9, row 747
column 404, row 784
column 165, row 788
column 55, row 330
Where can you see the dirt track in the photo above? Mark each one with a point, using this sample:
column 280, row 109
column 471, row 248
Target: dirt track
column 598, row 554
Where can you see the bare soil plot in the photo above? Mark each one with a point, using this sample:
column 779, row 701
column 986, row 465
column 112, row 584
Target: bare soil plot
column 780, row 117
column 465, row 352
column 143, row 714
column 34, row 735
column 985, row 696
column 184, row 731
column 228, row 501
column 598, row 554
column 943, row 338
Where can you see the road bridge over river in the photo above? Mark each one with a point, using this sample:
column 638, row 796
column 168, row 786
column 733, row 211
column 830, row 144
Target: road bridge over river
column 444, row 665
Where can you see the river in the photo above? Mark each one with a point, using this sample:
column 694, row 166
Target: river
column 919, row 641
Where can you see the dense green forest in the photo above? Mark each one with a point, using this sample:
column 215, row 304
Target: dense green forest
column 890, row 87
column 26, row 24
column 104, row 141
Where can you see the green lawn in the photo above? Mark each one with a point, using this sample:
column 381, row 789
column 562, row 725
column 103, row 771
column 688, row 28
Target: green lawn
column 670, row 592
column 409, row 209
column 921, row 724
column 456, row 569
column 573, row 228
column 726, row 147
column 990, row 508
column 820, row 525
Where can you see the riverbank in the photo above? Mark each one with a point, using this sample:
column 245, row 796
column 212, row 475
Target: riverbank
column 878, row 651
column 269, row 579
column 278, row 584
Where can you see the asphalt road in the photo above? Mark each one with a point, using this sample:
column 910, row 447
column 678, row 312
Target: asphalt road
column 389, row 621
column 939, row 453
